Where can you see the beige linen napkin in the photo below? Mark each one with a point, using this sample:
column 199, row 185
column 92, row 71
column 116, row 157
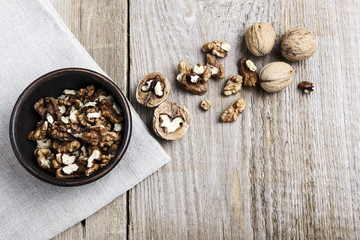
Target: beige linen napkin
column 34, row 41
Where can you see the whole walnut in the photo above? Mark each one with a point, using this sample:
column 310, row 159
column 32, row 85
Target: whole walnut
column 260, row 38
column 298, row 44
column 276, row 76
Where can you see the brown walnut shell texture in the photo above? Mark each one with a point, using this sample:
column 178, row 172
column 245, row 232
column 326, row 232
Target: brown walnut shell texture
column 260, row 38
column 276, row 76
column 298, row 44
column 151, row 100
column 173, row 110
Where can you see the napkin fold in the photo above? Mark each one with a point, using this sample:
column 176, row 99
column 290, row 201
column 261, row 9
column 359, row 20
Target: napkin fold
column 35, row 41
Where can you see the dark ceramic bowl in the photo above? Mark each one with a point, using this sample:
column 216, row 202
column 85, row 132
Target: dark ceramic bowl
column 24, row 119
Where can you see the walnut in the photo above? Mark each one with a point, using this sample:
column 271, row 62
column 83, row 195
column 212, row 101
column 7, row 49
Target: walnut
column 74, row 130
column 40, row 108
column 298, row 44
column 92, row 169
column 43, row 157
column 53, row 108
column 67, row 172
column 70, row 124
column 187, row 79
column 113, row 149
column 83, row 120
column 94, row 154
column 153, row 89
column 100, row 136
column 85, row 93
column 171, row 120
column 59, row 131
column 250, row 77
column 108, row 138
column 203, row 71
column 233, row 85
column 217, row 48
column 110, row 113
column 74, row 115
column 276, row 76
column 76, row 102
column 92, row 137
column 260, row 38
column 39, row 133
column 216, row 68
column 66, row 146
column 107, row 102
column 232, row 113
column 104, row 161
column 102, row 121
column 64, row 102
column 205, row 104
column 306, row 86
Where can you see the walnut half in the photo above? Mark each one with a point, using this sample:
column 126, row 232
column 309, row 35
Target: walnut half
column 153, row 89
column 217, row 48
column 232, row 113
column 233, row 85
column 171, row 120
column 248, row 72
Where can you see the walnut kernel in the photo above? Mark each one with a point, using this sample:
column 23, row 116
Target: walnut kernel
column 233, row 85
column 232, row 113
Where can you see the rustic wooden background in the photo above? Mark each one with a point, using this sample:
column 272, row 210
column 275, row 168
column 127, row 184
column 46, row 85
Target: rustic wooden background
column 288, row 168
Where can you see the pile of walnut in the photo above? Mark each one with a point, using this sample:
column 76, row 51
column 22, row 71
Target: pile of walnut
column 194, row 79
column 79, row 132
column 171, row 120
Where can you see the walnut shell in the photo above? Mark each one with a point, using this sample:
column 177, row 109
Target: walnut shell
column 276, row 76
column 149, row 98
column 260, row 38
column 298, row 44
column 173, row 112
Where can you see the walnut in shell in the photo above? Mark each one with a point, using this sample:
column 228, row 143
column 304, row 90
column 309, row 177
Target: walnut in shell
column 232, row 113
column 233, row 85
column 260, row 38
column 276, row 76
column 298, row 44
column 153, row 89
column 171, row 120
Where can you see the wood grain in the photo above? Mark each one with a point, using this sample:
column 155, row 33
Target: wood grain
column 288, row 168
column 101, row 27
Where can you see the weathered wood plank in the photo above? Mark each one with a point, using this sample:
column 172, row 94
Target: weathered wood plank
column 101, row 26
column 288, row 168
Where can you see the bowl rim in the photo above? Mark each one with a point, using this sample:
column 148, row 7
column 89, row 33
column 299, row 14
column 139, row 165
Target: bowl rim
column 74, row 181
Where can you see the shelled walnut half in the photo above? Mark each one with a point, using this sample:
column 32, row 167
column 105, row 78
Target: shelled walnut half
column 171, row 121
column 233, row 85
column 217, row 48
column 232, row 113
column 153, row 89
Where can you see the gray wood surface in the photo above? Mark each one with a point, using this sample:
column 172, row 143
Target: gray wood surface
column 288, row 168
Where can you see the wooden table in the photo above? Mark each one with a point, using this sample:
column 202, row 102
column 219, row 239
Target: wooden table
column 288, row 168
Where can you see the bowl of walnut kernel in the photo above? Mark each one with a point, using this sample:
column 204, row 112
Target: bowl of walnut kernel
column 70, row 127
